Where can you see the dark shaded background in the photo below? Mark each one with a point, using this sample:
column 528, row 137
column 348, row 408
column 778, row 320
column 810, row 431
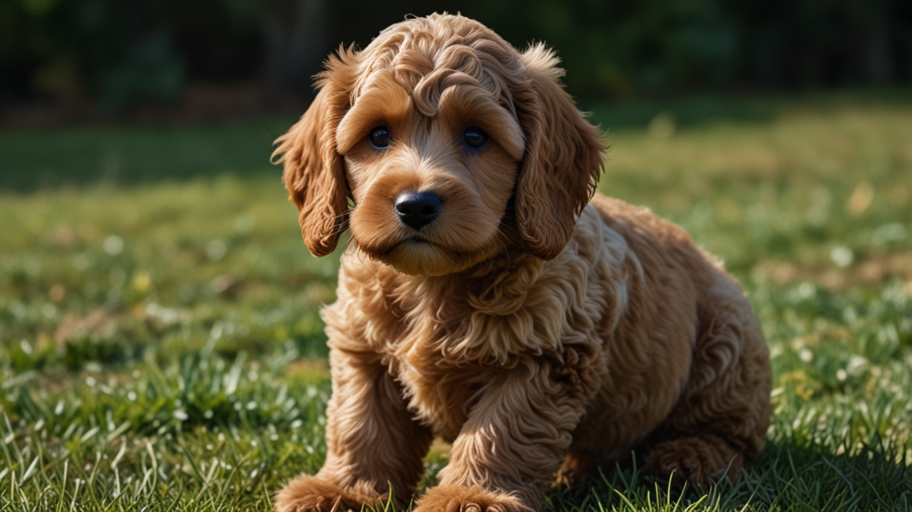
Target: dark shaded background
column 70, row 60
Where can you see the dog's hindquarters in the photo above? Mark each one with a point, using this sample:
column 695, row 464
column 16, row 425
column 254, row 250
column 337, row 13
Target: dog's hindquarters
column 720, row 422
column 688, row 376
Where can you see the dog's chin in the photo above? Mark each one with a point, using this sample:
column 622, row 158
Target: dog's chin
column 419, row 257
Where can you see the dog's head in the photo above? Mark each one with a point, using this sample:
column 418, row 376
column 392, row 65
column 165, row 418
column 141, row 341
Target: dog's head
column 427, row 142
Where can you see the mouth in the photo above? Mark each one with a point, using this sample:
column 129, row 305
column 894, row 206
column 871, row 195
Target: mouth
column 420, row 254
column 420, row 241
column 416, row 240
column 414, row 246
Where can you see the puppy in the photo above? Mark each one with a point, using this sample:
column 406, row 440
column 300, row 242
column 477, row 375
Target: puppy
column 489, row 298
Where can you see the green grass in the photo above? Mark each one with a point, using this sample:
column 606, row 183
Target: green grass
column 160, row 347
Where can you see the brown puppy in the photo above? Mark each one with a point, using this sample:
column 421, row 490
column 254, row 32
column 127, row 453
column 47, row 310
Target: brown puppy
column 484, row 299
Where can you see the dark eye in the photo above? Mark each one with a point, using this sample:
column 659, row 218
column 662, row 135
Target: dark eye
column 380, row 137
column 475, row 138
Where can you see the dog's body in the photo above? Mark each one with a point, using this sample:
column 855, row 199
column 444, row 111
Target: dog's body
column 483, row 301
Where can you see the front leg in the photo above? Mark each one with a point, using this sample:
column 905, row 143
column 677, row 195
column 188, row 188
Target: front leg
column 512, row 444
column 372, row 442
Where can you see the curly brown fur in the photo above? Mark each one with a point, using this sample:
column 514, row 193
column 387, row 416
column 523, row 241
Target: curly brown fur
column 531, row 328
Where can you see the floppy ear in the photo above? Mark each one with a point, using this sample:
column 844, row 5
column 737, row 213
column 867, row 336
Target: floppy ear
column 563, row 158
column 314, row 171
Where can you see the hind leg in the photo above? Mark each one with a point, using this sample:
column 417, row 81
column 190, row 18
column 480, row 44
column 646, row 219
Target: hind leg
column 695, row 460
column 721, row 420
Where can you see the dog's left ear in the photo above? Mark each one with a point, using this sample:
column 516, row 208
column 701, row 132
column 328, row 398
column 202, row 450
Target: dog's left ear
column 562, row 162
column 314, row 171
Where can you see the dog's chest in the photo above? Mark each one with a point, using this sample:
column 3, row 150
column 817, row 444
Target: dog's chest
column 440, row 386
column 441, row 397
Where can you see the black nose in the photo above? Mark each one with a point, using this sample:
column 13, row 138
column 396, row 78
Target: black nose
column 417, row 209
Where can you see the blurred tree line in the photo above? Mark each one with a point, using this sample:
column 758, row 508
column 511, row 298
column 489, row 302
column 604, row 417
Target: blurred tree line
column 121, row 52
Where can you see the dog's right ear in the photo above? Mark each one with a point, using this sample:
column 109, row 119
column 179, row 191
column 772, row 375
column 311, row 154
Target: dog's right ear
column 314, row 170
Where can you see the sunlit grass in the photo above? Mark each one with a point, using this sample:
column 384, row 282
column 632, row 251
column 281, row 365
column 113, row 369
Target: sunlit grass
column 161, row 349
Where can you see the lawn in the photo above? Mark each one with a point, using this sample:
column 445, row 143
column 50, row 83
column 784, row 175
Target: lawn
column 161, row 349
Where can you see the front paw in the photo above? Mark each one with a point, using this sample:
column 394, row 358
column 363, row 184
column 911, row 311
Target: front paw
column 452, row 498
column 312, row 494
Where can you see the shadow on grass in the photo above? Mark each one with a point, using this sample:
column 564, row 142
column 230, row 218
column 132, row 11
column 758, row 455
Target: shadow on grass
column 695, row 111
column 787, row 477
column 57, row 158
column 684, row 113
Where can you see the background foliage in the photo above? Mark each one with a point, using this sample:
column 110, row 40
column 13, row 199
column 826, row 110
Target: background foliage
column 149, row 50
